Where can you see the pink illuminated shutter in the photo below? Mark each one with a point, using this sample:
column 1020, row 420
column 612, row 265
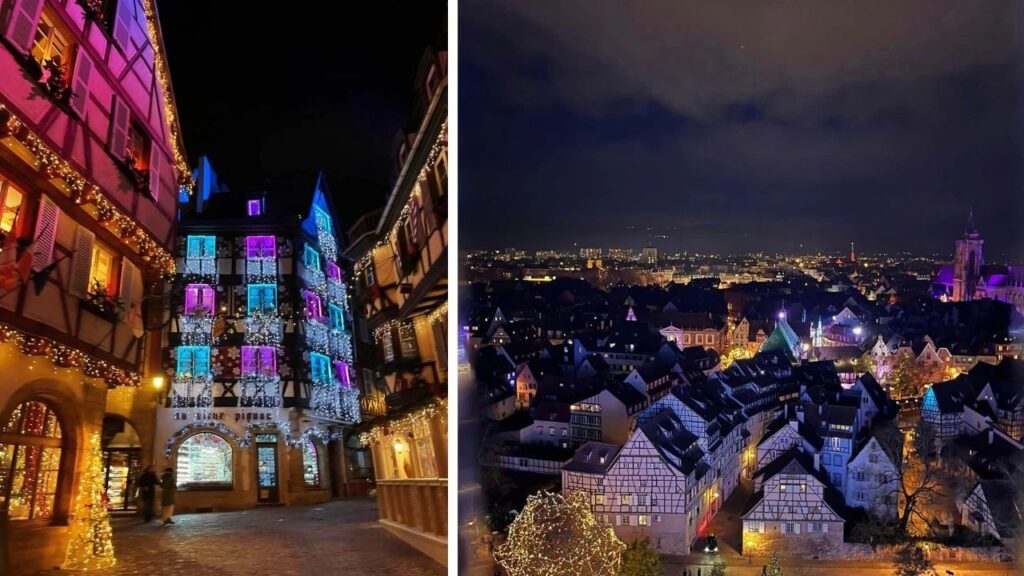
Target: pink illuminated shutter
column 119, row 116
column 46, row 233
column 155, row 160
column 21, row 27
column 206, row 298
column 80, row 83
column 268, row 360
column 123, row 21
column 248, row 360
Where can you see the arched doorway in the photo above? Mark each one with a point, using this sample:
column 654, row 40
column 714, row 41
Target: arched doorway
column 122, row 462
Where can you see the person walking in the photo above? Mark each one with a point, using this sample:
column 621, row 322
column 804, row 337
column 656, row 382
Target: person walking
column 147, row 489
column 168, row 486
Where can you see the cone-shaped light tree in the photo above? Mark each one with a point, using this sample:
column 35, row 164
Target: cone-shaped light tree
column 91, row 545
column 556, row 535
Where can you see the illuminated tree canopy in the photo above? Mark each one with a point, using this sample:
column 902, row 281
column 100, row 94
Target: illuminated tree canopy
column 556, row 535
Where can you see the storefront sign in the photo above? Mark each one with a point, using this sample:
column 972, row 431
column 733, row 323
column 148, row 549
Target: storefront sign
column 226, row 416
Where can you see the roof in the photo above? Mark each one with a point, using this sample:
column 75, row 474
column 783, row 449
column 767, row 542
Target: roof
column 676, row 445
column 782, row 339
column 1001, row 498
column 951, row 394
column 593, row 458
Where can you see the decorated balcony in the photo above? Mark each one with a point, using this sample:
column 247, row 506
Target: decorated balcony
column 315, row 279
column 195, row 329
column 373, row 404
column 192, row 391
column 350, row 408
column 260, row 390
column 340, row 345
column 337, row 291
column 262, row 328
column 317, row 336
column 328, row 245
column 261, row 270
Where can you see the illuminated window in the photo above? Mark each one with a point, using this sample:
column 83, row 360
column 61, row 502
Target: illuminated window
column 199, row 297
column 320, row 365
column 30, row 462
column 310, row 464
column 259, row 360
column 261, row 297
column 193, row 361
column 311, row 258
column 337, row 319
column 254, row 207
column 599, row 499
column 642, row 520
column 138, row 147
column 51, row 40
column 323, row 220
column 333, row 272
column 201, row 246
column 10, row 204
column 102, row 270
column 625, row 499
column 204, row 460
column 314, row 306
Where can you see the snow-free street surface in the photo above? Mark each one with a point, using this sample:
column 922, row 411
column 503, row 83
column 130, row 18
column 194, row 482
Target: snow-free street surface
column 341, row 537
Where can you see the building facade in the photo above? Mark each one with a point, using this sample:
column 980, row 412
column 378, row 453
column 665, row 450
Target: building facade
column 90, row 170
column 258, row 353
column 401, row 289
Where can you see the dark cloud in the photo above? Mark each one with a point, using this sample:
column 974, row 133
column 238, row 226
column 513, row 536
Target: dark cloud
column 755, row 124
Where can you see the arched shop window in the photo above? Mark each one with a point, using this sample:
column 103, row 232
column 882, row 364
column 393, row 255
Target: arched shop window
column 310, row 464
column 204, row 460
column 30, row 448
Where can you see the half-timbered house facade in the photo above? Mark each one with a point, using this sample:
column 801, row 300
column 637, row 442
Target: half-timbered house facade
column 258, row 353
column 91, row 164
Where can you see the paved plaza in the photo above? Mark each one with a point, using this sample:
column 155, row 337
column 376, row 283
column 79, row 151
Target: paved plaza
column 340, row 537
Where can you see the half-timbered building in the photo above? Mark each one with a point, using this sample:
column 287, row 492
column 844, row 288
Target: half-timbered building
column 793, row 509
column 91, row 164
column 258, row 354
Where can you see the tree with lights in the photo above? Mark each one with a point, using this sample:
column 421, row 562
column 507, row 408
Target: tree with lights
column 718, row 568
column 774, row 568
column 556, row 535
column 911, row 561
column 640, row 559
column 91, row 545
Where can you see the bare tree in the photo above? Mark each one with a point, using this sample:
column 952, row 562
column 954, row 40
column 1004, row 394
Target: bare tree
column 921, row 476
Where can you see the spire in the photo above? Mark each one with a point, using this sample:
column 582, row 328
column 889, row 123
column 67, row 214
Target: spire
column 853, row 253
column 630, row 316
column 970, row 221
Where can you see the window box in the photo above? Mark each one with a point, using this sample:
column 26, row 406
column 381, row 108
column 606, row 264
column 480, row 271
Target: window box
column 101, row 304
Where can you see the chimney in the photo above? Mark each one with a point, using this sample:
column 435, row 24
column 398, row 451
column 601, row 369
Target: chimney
column 991, row 435
column 817, row 460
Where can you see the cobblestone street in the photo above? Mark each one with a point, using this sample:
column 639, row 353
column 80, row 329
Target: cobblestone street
column 336, row 538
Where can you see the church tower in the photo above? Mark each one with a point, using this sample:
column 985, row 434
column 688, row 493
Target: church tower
column 967, row 262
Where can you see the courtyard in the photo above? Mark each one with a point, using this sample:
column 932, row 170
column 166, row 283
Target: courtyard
column 341, row 537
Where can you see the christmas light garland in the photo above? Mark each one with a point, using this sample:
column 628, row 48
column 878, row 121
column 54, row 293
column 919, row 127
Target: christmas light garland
column 435, row 151
column 84, row 192
column 67, row 357
column 405, row 424
column 262, row 328
column 557, row 534
column 177, row 146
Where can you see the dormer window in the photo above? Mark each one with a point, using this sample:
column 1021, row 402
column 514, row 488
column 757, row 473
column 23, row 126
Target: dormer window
column 254, row 207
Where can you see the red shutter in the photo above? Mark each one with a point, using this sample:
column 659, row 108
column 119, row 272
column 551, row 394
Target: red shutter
column 119, row 117
column 80, row 82
column 124, row 19
column 21, row 27
column 155, row 164
column 46, row 233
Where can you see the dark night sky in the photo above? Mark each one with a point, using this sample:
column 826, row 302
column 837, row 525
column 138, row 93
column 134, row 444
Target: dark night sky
column 274, row 94
column 740, row 126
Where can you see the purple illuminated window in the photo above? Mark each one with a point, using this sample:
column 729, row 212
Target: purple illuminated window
column 333, row 271
column 199, row 297
column 314, row 309
column 259, row 360
column 341, row 373
column 255, row 207
column 260, row 247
